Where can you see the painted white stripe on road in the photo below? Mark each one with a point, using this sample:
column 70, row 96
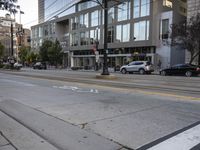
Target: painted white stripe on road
column 183, row 141
column 77, row 89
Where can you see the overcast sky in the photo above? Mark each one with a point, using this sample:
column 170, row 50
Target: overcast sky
column 30, row 9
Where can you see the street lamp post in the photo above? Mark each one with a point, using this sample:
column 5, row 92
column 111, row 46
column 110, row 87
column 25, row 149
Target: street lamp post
column 11, row 38
column 105, row 51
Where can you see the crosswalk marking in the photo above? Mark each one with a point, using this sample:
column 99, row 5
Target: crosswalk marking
column 183, row 141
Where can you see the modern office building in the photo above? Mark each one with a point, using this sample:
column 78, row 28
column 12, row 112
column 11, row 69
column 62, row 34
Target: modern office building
column 193, row 8
column 137, row 30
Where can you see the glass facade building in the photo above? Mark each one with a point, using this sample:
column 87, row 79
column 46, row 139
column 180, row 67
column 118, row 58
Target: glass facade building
column 135, row 30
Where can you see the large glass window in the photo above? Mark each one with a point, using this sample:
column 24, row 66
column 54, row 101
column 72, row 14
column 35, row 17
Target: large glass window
column 141, row 8
column 86, row 5
column 126, row 33
column 52, row 7
column 111, row 15
column 95, row 18
column 74, row 39
column 74, row 23
column 84, row 38
column 110, row 34
column 94, row 35
column 84, row 20
column 141, row 30
column 123, row 11
column 123, row 33
column 40, row 31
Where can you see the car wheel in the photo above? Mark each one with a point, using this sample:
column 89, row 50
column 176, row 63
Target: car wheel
column 188, row 74
column 141, row 71
column 163, row 73
column 123, row 71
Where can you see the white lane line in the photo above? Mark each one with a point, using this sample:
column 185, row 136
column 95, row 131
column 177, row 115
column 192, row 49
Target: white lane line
column 18, row 82
column 77, row 89
column 183, row 141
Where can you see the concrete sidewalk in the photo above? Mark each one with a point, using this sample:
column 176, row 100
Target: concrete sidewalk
column 5, row 143
column 44, row 132
column 15, row 136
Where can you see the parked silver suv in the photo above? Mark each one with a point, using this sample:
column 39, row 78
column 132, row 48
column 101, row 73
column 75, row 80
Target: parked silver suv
column 137, row 66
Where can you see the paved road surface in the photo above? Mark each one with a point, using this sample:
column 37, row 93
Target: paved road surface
column 131, row 118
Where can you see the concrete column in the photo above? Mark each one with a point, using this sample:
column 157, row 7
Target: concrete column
column 72, row 59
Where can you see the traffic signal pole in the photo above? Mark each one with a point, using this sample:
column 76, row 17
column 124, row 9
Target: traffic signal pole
column 105, row 51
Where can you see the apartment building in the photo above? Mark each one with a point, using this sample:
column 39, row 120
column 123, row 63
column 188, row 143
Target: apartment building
column 19, row 38
column 137, row 30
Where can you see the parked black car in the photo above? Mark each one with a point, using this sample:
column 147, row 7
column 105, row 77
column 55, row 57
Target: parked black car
column 39, row 65
column 181, row 69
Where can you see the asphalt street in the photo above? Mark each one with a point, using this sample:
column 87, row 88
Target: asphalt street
column 122, row 116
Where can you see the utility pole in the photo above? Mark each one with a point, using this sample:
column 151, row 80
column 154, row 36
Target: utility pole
column 11, row 38
column 105, row 51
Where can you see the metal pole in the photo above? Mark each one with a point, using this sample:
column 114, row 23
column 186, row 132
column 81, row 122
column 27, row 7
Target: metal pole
column 105, row 51
column 11, row 36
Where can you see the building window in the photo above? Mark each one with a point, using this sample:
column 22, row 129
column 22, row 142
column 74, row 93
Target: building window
column 45, row 30
column 141, row 30
column 165, row 28
column 40, row 32
column 84, row 38
column 167, row 3
column 111, row 15
column 123, row 11
column 141, row 8
column 110, row 34
column 86, row 5
column 95, row 18
column 84, row 20
column 74, row 39
column 94, row 35
column 123, row 33
column 74, row 23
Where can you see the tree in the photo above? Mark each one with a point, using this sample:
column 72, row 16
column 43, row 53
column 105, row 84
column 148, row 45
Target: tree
column 1, row 50
column 186, row 34
column 8, row 5
column 44, row 50
column 23, row 52
column 55, row 53
column 31, row 57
